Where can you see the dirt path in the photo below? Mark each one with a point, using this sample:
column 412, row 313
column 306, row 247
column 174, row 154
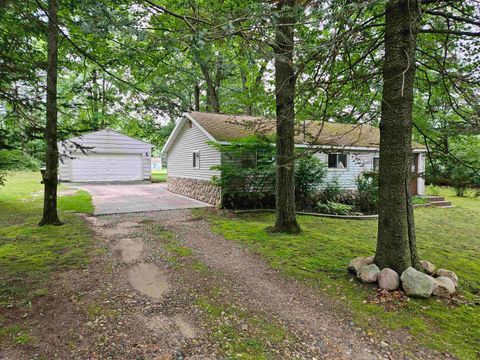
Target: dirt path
column 161, row 286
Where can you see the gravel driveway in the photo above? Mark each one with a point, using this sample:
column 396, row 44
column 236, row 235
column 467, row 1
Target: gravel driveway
column 119, row 198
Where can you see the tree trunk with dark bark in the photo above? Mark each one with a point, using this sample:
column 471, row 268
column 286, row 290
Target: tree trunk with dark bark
column 50, row 216
column 285, row 111
column 196, row 95
column 396, row 244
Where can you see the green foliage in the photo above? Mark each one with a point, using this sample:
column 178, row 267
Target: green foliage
column 332, row 191
column 310, row 174
column 247, row 171
column 433, row 190
column 335, row 208
column 321, row 253
column 16, row 160
column 367, row 192
column 419, row 200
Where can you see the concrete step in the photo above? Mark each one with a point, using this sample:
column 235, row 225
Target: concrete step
column 441, row 203
column 434, row 198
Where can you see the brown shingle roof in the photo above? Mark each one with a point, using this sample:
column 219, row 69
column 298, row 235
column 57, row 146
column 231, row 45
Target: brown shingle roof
column 229, row 127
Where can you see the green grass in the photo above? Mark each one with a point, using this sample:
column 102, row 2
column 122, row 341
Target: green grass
column 320, row 254
column 159, row 176
column 29, row 254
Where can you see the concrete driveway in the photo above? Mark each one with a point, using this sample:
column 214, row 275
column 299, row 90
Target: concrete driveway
column 118, row 198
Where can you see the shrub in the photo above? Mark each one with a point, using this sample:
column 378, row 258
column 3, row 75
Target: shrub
column 310, row 174
column 433, row 190
column 247, row 173
column 331, row 207
column 419, row 200
column 367, row 193
column 16, row 160
column 332, row 191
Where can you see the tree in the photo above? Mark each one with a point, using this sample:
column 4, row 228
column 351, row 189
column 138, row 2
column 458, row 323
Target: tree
column 285, row 79
column 50, row 178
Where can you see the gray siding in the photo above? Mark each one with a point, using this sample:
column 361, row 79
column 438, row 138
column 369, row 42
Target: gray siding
column 357, row 163
column 179, row 159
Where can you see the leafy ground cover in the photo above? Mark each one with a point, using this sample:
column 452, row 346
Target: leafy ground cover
column 29, row 254
column 159, row 176
column 320, row 254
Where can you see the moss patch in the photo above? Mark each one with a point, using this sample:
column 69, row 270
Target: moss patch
column 30, row 254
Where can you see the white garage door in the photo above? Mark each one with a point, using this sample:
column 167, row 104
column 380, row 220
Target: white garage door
column 106, row 167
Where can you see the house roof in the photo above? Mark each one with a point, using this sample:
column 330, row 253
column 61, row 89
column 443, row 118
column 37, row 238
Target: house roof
column 225, row 128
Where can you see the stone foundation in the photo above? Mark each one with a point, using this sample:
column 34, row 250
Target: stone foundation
column 202, row 190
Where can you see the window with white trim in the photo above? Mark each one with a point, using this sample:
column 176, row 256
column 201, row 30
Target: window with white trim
column 196, row 159
column 337, row 161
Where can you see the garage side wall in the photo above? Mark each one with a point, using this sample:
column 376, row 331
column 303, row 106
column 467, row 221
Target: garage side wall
column 186, row 179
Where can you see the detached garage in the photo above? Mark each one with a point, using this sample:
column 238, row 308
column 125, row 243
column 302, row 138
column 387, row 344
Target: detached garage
column 107, row 156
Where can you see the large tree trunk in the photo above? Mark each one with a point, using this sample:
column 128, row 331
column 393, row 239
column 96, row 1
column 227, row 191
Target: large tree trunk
column 396, row 246
column 285, row 110
column 50, row 216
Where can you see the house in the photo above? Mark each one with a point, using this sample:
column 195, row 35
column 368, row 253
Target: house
column 347, row 149
column 104, row 155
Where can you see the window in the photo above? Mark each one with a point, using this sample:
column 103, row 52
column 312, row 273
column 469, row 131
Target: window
column 196, row 159
column 337, row 161
column 376, row 163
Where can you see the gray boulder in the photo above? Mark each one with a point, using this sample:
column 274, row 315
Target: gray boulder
column 368, row 273
column 428, row 267
column 388, row 279
column 417, row 284
column 449, row 274
column 444, row 287
column 357, row 263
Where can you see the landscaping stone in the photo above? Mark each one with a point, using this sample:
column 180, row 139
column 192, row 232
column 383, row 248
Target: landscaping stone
column 198, row 189
column 449, row 274
column 368, row 273
column 370, row 259
column 357, row 263
column 417, row 284
column 428, row 267
column 388, row 279
column 444, row 287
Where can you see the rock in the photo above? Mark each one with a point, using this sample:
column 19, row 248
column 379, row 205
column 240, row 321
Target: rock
column 356, row 264
column 444, row 287
column 368, row 273
column 370, row 259
column 417, row 284
column 428, row 267
column 388, row 279
column 449, row 274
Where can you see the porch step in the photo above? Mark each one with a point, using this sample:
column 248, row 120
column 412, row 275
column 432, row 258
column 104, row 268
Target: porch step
column 432, row 198
column 441, row 203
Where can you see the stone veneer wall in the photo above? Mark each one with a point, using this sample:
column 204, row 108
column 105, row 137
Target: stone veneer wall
column 202, row 190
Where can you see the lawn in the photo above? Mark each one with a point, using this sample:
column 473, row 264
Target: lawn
column 159, row 176
column 449, row 238
column 29, row 254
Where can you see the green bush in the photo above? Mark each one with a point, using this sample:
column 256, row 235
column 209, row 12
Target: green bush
column 433, row 190
column 419, row 200
column 310, row 174
column 331, row 207
column 332, row 191
column 16, row 160
column 367, row 193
